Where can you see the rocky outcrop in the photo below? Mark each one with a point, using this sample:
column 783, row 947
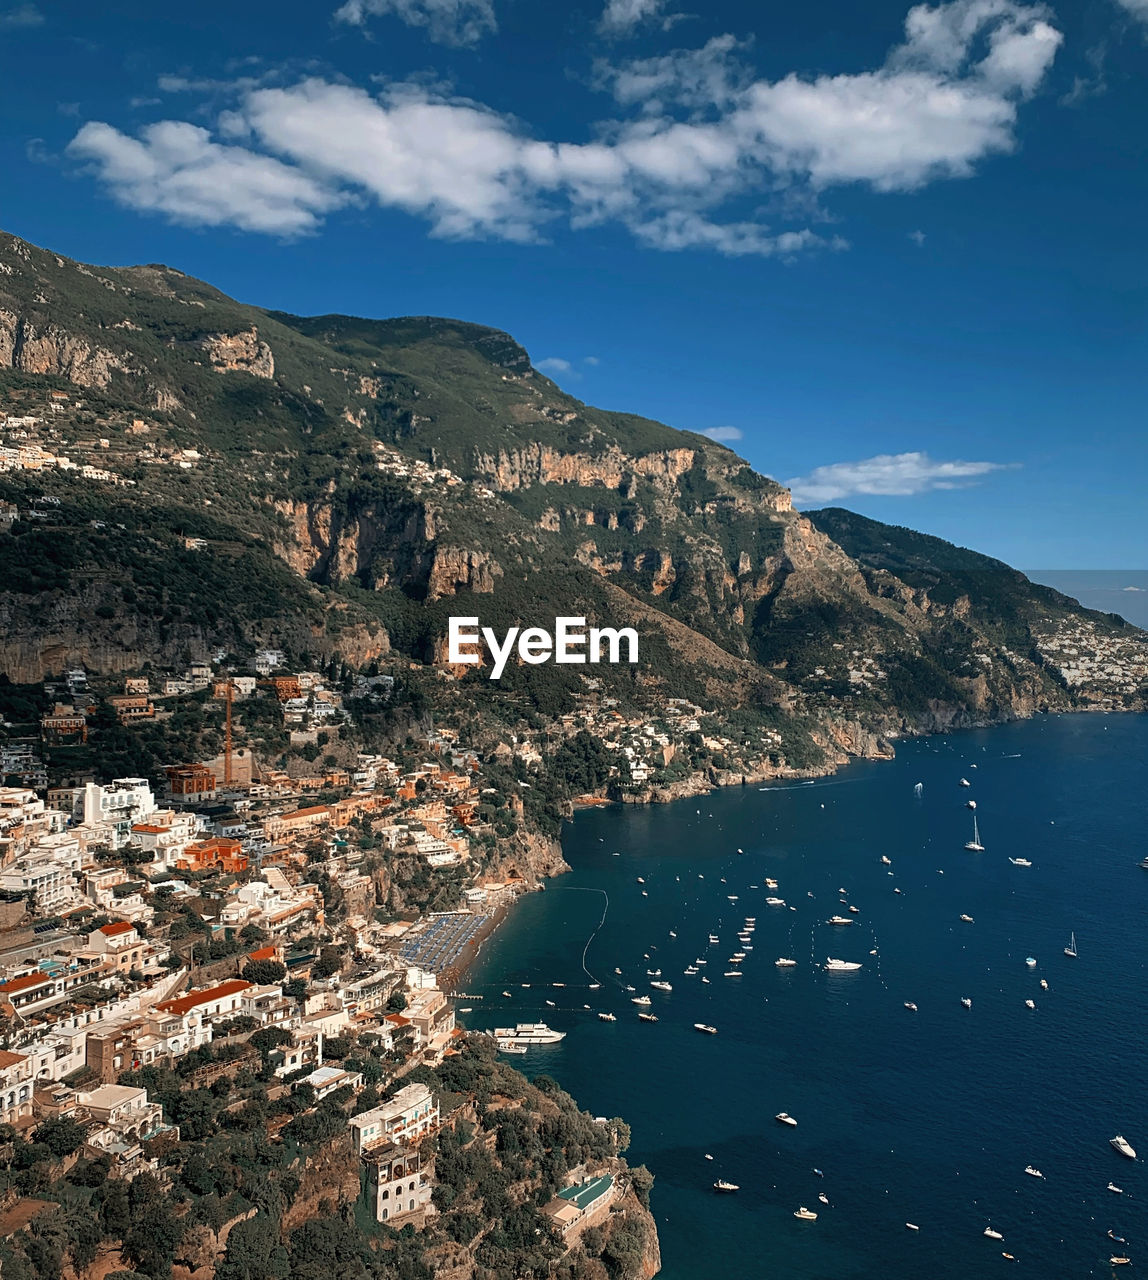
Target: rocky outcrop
column 455, row 569
column 542, row 464
column 35, row 347
column 243, row 352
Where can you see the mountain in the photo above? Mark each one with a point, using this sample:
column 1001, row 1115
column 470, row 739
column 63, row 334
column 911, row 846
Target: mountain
column 337, row 486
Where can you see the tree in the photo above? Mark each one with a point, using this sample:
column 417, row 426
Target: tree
column 61, row 1135
column 254, row 1252
column 264, row 972
column 396, row 1002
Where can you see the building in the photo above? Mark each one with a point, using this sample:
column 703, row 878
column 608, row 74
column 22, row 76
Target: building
column 575, row 1205
column 125, row 1114
column 399, row 1184
column 131, row 706
column 216, row 854
column 409, row 1116
column 120, row 945
column 325, row 1080
column 65, row 724
column 221, row 1001
column 121, row 803
column 15, row 1087
column 299, row 821
column 193, row 780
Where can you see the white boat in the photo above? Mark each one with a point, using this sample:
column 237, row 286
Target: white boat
column 673, row 934
column 1032, row 1172
column 732, row 897
column 722, row 1185
column 732, row 973
column 708, row 1156
column 617, row 971
column 910, row 1006
column 806, row 1215
column 970, row 804
column 1020, row 862
column 886, row 860
column 641, row 880
column 823, row 1197
column 690, row 970
column 912, row 1226
column 1044, row 984
column 511, row 1046
column 974, row 845
column 702, row 1026
column 840, row 966
column 1070, row 950
column 642, row 1000
column 705, row 980
column 1031, row 961
column 714, row 937
column 1123, row 1146
column 530, row 1033
column 993, row 1235
column 647, row 1017
column 967, row 919
column 608, row 1017
column 785, row 1118
column 856, row 910
column 965, row 782
column 557, row 984
column 918, row 789
column 1115, row 1189
column 1030, row 1004
column 653, row 973
column 966, row 1002
column 770, row 883
column 645, row 894
column 506, row 995
column 594, row 986
column 661, row 986
column 775, row 902
column 551, row 1004
column 839, row 920
column 737, row 957
column 784, row 962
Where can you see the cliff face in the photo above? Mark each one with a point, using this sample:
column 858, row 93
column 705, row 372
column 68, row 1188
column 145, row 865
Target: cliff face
column 536, row 464
column 36, row 346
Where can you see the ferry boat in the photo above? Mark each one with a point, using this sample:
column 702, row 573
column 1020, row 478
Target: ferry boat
column 608, row 1017
column 784, row 962
column 530, row 1033
column 841, row 966
column 784, row 1117
column 647, row 1017
column 722, row 1185
column 642, row 1000
column 1123, row 1146
column 702, row 1026
column 661, row 986
column 806, row 1215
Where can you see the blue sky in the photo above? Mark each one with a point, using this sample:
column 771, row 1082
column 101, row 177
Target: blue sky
column 893, row 254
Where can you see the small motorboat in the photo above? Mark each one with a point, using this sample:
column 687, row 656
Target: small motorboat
column 966, row 1002
column 1044, row 984
column 1119, row 1260
column 704, row 1027
column 912, row 1226
column 722, row 1185
column 608, row 1017
column 993, row 1235
column 1020, row 862
column 1123, row 1146
column 1115, row 1238
column 887, row 861
column 784, row 962
column 966, row 783
column 506, row 995
column 910, row 1006
column 785, row 1118
column 1030, row 1004
column 1033, row 1172
column 708, row 1156
column 647, row 1017
column 967, row 919
column 823, row 1197
column 551, row 1003
column 1030, row 961
column 806, row 1215
column 1118, row 1191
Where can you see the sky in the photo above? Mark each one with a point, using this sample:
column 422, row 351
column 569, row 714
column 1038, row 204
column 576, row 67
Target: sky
column 893, row 255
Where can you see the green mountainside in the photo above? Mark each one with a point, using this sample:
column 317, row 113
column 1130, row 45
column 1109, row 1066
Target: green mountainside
column 338, row 487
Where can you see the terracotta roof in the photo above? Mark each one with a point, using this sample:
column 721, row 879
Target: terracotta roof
column 25, row 983
column 185, row 1004
column 10, row 1059
column 264, row 953
column 117, row 927
column 397, row 1020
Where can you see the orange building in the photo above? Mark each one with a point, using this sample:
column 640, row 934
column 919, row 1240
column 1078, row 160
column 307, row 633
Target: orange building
column 189, row 779
column 217, row 854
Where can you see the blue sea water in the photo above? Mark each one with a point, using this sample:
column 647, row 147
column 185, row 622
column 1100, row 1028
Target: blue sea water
column 926, row 1117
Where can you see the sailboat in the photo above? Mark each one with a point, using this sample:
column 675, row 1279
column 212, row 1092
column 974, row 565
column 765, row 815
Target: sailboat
column 1070, row 950
column 974, row 845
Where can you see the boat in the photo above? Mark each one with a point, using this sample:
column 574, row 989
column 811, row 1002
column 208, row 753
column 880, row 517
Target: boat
column 970, row 804
column 912, row 1226
column 1115, row 1238
column 705, row 980
column 1030, row 961
column 722, row 1185
column 557, row 984
column 993, row 1235
column 841, row 966
column 1044, row 984
column 974, row 845
column 967, row 919
column 918, row 789
column 661, row 986
column 732, row 897
column 775, row 902
column 709, row 1031
column 690, row 970
column 737, row 957
column 818, row 1173
column 855, row 910
column 708, row 1156
column 1070, row 950
column 673, row 934
column 965, row 782
column 823, row 1197
column 770, row 883
column 886, row 860
column 1119, row 1260
column 732, row 973
column 784, row 962
column 653, row 973
column 896, row 890
column 910, row 1006
column 511, row 1046
column 1144, row 865
column 594, row 986
column 966, row 1002
column 608, row 1017
column 467, row 1009
column 839, row 920
column 506, row 995
column 1030, row 1004
column 1123, row 1146
column 647, row 1017
column 642, row 1000
column 641, row 880
column 1033, row 1172
column 530, row 1033
column 630, row 988
column 1010, row 1256
column 645, row 894
column 617, row 971
column 784, row 1117
column 551, row 1004
column 714, row 937
column 1119, row 1191
column 806, row 1215
column 1020, row 862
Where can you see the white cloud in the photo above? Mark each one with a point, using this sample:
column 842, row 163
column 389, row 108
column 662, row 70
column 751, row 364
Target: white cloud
column 175, row 169
column 620, row 17
column 722, row 434
column 701, row 139
column 591, row 360
column 553, row 364
column 896, row 474
column 452, row 22
column 1133, row 588
column 23, row 15
column 917, row 237
column 1137, row 8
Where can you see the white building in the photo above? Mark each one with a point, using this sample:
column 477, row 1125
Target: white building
column 409, row 1116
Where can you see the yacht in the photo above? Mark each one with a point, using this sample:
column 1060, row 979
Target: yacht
column 1123, row 1146
column 642, row 1000
column 732, row 973
column 722, row 1185
column 530, row 1033
column 661, row 986
column 709, row 1031
column 839, row 920
column 806, row 1215
column 784, row 962
column 1030, row 1004
column 993, row 1235
column 714, row 937
column 608, row 1017
column 974, row 845
column 967, row 919
column 910, row 1006
column 966, row 1002
column 775, row 902
column 1070, row 950
column 785, row 1118
column 856, row 910
column 1032, row 1172
column 653, row 973
column 841, row 966
column 1020, row 862
column 647, row 1017
column 770, row 883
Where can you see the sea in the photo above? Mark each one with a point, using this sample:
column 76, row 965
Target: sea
column 927, row 1117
